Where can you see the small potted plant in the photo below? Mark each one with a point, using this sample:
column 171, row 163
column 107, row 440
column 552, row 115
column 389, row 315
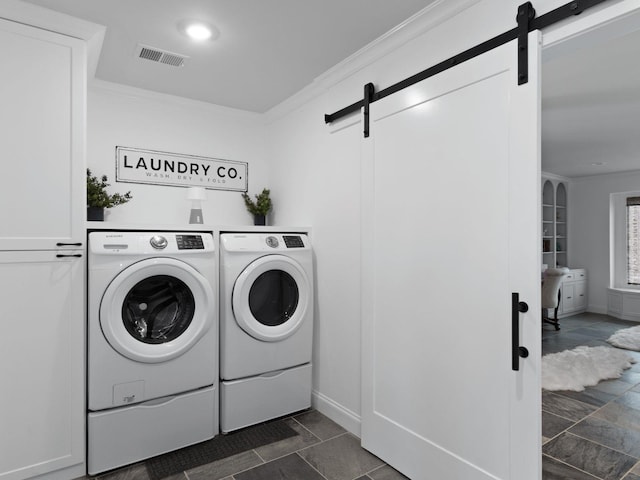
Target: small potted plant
column 98, row 199
column 260, row 207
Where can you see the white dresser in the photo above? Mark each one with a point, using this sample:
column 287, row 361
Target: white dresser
column 573, row 293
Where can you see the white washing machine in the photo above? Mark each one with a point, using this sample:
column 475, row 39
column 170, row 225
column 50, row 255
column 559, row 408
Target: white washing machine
column 152, row 345
column 266, row 326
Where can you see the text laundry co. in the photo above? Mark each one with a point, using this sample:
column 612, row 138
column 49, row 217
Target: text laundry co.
column 172, row 166
column 164, row 168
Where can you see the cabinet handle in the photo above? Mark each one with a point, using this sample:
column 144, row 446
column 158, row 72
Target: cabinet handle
column 568, row 298
column 61, row 244
column 76, row 255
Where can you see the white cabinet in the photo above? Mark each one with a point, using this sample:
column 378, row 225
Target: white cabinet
column 573, row 293
column 41, row 363
column 42, row 256
column 42, row 124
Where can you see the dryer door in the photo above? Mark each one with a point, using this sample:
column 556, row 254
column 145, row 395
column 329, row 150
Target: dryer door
column 271, row 297
column 156, row 310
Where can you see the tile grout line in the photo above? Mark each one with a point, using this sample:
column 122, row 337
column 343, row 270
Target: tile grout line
column 308, row 463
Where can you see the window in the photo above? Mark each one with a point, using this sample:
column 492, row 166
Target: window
column 633, row 240
column 625, row 240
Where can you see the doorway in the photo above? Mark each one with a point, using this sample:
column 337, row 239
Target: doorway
column 590, row 97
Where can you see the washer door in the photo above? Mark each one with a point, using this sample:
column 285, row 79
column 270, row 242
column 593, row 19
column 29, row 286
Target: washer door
column 156, row 310
column 270, row 297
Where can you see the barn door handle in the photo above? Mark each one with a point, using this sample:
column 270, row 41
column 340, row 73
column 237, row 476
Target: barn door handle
column 517, row 351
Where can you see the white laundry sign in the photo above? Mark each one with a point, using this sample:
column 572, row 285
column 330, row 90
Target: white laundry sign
column 134, row 165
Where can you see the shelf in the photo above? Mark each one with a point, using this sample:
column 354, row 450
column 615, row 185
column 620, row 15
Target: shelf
column 553, row 231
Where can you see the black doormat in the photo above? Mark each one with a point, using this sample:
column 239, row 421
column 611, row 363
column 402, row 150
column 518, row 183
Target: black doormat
column 219, row 447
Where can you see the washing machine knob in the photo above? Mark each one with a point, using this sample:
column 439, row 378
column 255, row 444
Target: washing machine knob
column 158, row 241
column 272, row 242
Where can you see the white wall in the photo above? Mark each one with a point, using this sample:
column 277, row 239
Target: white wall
column 123, row 116
column 589, row 228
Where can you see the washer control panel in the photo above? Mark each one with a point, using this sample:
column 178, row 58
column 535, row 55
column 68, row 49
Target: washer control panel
column 189, row 242
column 155, row 243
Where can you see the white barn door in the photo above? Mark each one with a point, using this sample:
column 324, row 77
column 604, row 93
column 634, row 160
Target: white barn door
column 450, row 231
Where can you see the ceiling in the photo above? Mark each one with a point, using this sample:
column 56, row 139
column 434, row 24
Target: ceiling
column 591, row 109
column 267, row 51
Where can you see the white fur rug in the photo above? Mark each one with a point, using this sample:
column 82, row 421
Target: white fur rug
column 582, row 367
column 629, row 339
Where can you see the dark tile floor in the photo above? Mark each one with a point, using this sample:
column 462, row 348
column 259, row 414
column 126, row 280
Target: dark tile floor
column 594, row 434
column 322, row 450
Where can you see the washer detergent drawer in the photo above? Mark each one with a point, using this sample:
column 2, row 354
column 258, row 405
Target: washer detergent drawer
column 255, row 399
column 126, row 435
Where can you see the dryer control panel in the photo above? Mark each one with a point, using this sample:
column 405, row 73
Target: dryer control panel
column 264, row 242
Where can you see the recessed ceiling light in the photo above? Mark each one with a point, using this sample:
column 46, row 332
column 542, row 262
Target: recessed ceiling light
column 598, row 164
column 197, row 30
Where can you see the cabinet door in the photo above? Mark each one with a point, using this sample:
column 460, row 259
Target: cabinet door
column 41, row 363
column 42, row 125
column 580, row 295
column 567, row 301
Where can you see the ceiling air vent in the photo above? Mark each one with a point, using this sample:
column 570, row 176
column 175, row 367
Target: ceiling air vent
column 160, row 56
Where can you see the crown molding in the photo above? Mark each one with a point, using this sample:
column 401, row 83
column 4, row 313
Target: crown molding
column 50, row 20
column 426, row 19
column 140, row 94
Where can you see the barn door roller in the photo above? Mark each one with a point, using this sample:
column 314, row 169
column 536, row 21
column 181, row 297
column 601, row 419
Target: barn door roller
column 526, row 13
column 527, row 22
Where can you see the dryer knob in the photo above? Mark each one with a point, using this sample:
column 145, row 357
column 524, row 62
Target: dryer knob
column 158, row 241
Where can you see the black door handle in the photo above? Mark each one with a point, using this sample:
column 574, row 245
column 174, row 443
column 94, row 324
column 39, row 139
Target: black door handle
column 61, row 244
column 76, row 255
column 517, row 351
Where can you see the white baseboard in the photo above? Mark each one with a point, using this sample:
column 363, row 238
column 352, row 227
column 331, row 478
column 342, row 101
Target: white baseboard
column 338, row 413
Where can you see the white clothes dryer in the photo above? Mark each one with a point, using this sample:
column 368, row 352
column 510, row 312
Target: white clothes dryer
column 152, row 344
column 266, row 326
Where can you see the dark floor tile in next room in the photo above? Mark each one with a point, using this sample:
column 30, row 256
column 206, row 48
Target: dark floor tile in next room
column 620, row 438
column 589, row 457
column 590, row 396
column 554, row 470
column 552, row 424
column 566, row 407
